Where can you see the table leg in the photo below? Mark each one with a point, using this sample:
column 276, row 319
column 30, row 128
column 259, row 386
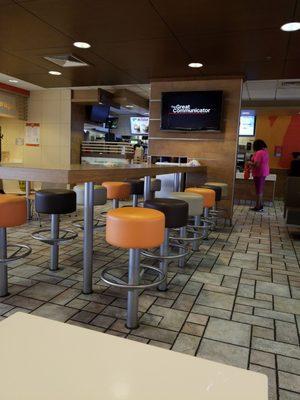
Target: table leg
column 163, row 264
column 3, row 266
column 28, row 202
column 176, row 185
column 147, row 188
column 88, row 238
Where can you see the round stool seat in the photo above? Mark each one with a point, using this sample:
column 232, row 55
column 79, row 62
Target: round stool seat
column 195, row 201
column 208, row 195
column 136, row 186
column 12, row 210
column 100, row 195
column 175, row 211
column 117, row 190
column 217, row 190
column 222, row 185
column 135, row 228
column 55, row 201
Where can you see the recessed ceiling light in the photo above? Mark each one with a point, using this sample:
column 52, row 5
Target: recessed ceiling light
column 291, row 27
column 82, row 45
column 54, row 73
column 195, row 65
column 13, row 80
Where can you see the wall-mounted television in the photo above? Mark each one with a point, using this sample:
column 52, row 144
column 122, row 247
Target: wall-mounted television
column 191, row 111
column 247, row 123
column 98, row 114
column 111, row 122
column 139, row 125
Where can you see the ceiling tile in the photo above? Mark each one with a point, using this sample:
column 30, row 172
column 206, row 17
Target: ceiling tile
column 194, row 16
column 20, row 30
column 250, row 46
column 262, row 94
column 262, row 85
column 288, row 93
column 101, row 21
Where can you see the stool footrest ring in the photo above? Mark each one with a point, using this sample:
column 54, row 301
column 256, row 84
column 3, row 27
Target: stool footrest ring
column 124, row 285
column 216, row 212
column 169, row 257
column 97, row 223
column 14, row 256
column 186, row 239
column 67, row 235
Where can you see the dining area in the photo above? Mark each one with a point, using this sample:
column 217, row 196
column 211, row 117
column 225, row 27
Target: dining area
column 111, row 269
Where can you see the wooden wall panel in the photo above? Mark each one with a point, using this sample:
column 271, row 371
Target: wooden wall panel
column 217, row 150
column 77, row 131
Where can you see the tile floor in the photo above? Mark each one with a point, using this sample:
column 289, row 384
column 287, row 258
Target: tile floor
column 237, row 301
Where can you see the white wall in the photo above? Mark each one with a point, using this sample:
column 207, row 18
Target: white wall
column 12, row 129
column 52, row 109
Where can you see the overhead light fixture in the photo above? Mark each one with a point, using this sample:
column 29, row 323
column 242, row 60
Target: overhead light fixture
column 290, row 27
column 54, row 73
column 82, row 45
column 13, row 80
column 195, row 65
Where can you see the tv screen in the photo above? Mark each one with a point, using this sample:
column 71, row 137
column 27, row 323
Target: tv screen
column 99, row 114
column 247, row 123
column 139, row 125
column 111, row 123
column 191, row 111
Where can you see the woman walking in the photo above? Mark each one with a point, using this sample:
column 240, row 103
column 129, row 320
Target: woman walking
column 260, row 170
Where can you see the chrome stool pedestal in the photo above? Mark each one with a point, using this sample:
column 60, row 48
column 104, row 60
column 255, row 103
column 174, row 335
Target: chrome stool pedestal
column 21, row 251
column 54, row 240
column 54, row 202
column 136, row 271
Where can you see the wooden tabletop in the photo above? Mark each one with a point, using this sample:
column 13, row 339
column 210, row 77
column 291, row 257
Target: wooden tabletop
column 45, row 359
column 77, row 173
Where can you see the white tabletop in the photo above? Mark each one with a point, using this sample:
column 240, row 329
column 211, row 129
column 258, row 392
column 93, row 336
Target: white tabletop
column 41, row 359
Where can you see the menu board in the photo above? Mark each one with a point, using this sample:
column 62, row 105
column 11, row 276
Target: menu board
column 8, row 105
column 247, row 123
column 139, row 125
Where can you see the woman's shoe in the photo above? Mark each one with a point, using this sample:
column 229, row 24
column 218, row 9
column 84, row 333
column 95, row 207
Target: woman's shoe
column 257, row 209
column 260, row 209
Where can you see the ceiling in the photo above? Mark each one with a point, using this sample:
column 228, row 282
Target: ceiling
column 20, row 84
column 134, row 41
column 271, row 90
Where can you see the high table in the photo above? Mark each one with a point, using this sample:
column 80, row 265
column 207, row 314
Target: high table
column 89, row 175
column 45, row 359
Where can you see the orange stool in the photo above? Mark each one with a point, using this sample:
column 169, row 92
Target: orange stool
column 117, row 191
column 13, row 212
column 209, row 201
column 134, row 228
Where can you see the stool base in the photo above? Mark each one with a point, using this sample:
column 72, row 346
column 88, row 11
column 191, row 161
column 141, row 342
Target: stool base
column 4, row 259
column 135, row 270
column 54, row 239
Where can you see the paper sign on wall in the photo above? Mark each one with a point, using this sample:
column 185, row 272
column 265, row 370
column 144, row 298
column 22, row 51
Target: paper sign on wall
column 32, row 134
column 278, row 151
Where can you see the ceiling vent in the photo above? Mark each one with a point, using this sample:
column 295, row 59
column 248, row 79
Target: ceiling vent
column 289, row 84
column 66, row 61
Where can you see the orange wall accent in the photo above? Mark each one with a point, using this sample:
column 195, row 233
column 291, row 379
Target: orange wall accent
column 280, row 130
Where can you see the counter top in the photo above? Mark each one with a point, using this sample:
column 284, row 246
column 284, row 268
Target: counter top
column 45, row 359
column 271, row 177
column 77, row 173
